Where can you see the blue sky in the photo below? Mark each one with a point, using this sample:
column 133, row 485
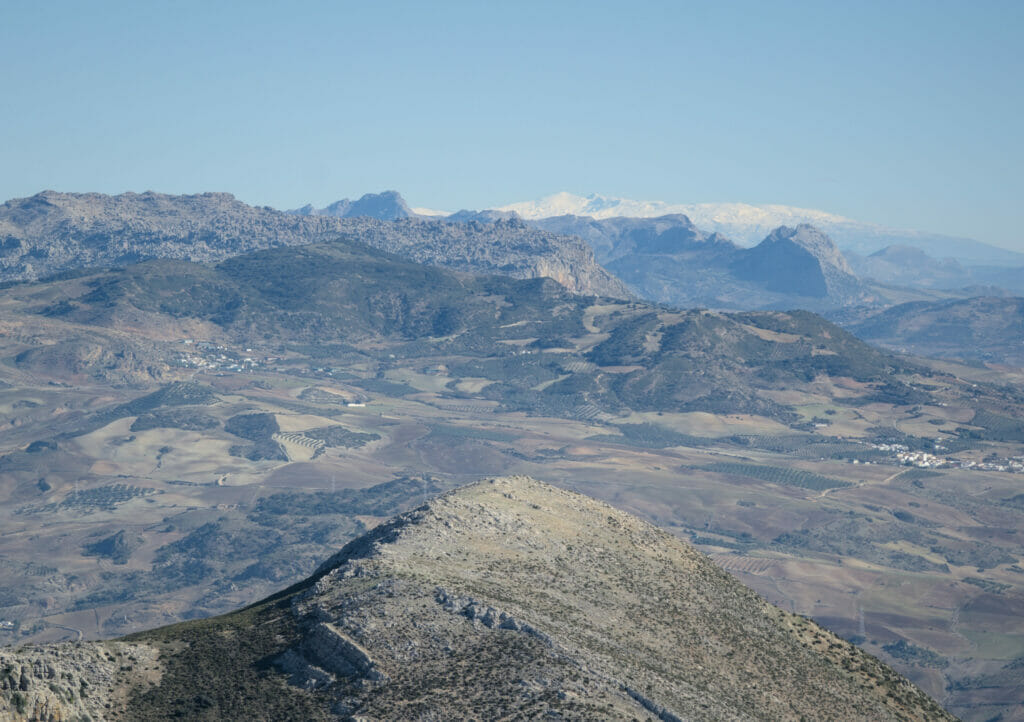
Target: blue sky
column 902, row 113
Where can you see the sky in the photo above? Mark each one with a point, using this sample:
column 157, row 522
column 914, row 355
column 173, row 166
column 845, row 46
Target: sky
column 907, row 114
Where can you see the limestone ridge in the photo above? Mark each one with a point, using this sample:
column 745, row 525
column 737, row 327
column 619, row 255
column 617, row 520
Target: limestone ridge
column 52, row 233
column 591, row 612
column 505, row 599
column 506, row 247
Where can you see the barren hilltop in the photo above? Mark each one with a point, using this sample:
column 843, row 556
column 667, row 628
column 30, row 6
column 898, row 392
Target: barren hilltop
column 505, row 599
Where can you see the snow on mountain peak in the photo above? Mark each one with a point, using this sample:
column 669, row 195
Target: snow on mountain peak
column 593, row 205
column 746, row 224
column 741, row 221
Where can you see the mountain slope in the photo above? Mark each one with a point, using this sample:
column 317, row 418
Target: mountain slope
column 519, row 334
column 614, row 238
column 52, row 233
column 912, row 267
column 504, row 599
column 505, row 247
column 986, row 328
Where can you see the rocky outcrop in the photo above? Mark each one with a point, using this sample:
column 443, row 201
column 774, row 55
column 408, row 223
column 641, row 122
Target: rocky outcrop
column 67, row 682
column 590, row 611
column 490, row 617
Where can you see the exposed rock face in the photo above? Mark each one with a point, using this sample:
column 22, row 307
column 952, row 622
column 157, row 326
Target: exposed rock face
column 68, row 682
column 51, row 233
column 592, row 612
column 508, row 599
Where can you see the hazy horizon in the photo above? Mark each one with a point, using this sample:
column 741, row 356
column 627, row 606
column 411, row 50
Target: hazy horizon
column 903, row 116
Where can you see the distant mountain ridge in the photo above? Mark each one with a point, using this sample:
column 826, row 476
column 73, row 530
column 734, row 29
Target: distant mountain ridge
column 748, row 224
column 384, row 206
column 53, row 232
column 983, row 328
column 903, row 265
column 670, row 260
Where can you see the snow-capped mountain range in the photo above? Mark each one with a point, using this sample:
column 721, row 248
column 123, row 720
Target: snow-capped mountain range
column 733, row 214
column 747, row 224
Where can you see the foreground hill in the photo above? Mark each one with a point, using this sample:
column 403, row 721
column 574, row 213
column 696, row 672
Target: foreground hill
column 506, row 599
column 52, row 233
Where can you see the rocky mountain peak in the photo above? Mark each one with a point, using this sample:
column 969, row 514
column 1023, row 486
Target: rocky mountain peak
column 596, row 607
column 505, row 599
column 800, row 260
column 384, row 206
column 813, row 241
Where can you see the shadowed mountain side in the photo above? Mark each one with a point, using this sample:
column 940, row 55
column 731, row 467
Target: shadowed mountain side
column 669, row 260
column 615, row 238
column 505, row 599
column 52, row 233
column 801, row 261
